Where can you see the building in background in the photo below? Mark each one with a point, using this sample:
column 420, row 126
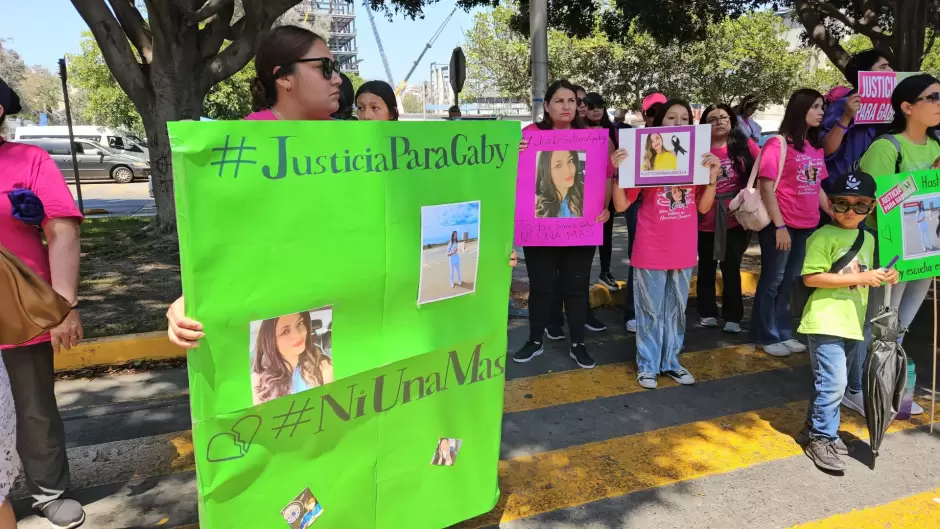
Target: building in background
column 439, row 96
column 335, row 20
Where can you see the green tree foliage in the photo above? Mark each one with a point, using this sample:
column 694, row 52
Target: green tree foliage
column 107, row 104
column 739, row 56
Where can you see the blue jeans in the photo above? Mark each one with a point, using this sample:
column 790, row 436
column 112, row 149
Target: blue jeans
column 661, row 297
column 830, row 357
column 454, row 270
column 771, row 320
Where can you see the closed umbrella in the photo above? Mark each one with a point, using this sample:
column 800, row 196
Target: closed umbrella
column 885, row 374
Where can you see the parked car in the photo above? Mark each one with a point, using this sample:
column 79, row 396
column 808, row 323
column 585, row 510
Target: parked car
column 95, row 161
column 119, row 141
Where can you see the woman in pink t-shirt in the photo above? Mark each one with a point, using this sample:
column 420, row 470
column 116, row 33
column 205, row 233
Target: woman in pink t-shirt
column 663, row 259
column 720, row 237
column 794, row 212
column 29, row 169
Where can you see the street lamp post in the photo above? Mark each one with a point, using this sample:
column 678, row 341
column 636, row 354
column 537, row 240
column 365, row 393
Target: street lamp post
column 538, row 34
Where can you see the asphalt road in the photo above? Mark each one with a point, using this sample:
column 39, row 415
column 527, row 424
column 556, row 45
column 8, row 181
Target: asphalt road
column 115, row 199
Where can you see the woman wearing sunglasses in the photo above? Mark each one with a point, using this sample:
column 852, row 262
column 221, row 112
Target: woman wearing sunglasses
column 911, row 145
column 297, row 79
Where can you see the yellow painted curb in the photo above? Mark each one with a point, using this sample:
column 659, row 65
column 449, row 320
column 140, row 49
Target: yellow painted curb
column 601, row 296
column 118, row 350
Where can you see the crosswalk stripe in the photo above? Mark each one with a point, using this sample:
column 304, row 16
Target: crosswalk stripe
column 577, row 475
column 567, row 387
column 915, row 512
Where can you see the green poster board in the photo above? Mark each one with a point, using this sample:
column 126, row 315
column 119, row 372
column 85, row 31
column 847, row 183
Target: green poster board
column 909, row 223
column 351, row 278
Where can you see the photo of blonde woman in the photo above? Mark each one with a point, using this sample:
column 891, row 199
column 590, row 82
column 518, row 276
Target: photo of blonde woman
column 655, row 155
column 559, row 185
column 286, row 357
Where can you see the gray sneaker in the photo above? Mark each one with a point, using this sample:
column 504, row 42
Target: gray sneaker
column 842, row 449
column 823, row 453
column 64, row 513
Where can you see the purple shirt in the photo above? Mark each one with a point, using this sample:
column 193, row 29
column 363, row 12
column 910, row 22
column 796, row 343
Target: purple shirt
column 855, row 142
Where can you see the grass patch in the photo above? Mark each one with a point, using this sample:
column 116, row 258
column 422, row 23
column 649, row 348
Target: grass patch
column 129, row 275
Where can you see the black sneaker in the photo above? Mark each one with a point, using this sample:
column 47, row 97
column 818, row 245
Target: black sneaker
column 555, row 332
column 842, row 449
column 594, row 324
column 823, row 453
column 63, row 513
column 580, row 355
column 608, row 281
column 529, row 351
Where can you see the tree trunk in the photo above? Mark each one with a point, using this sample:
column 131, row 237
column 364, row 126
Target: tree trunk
column 909, row 33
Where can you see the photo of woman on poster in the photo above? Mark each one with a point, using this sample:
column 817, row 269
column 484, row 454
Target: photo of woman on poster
column 446, row 453
column 286, row 358
column 922, row 220
column 453, row 256
column 655, row 155
column 677, row 196
column 559, row 185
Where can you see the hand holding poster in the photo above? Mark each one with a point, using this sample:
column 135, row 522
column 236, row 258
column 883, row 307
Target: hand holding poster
column 909, row 223
column 874, row 91
column 561, row 187
column 665, row 156
column 351, row 279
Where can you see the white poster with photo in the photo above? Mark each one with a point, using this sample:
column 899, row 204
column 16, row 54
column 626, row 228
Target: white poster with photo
column 664, row 156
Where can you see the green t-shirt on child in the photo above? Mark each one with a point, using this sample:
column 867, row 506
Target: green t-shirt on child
column 836, row 311
column 881, row 157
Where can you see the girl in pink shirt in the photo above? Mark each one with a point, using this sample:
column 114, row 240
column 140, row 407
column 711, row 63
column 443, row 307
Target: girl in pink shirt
column 663, row 259
column 794, row 211
column 720, row 237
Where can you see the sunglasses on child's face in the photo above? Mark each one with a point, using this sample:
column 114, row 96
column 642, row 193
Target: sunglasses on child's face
column 933, row 98
column 844, row 207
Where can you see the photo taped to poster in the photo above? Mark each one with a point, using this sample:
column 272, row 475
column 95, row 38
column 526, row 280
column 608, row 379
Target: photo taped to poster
column 450, row 251
column 920, row 221
column 559, row 184
column 663, row 156
column 291, row 353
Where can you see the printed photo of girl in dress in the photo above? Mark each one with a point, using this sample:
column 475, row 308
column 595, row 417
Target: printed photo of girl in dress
column 287, row 356
column 446, row 453
column 559, row 185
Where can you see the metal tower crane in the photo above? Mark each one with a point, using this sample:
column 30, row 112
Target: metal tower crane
column 427, row 47
column 378, row 40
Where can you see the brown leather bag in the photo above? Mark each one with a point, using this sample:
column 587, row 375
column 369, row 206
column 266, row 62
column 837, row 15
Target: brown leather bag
column 28, row 305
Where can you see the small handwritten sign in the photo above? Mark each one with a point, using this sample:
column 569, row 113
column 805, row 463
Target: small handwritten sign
column 561, row 187
column 897, row 194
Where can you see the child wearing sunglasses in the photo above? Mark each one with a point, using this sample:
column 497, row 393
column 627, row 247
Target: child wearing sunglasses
column 839, row 266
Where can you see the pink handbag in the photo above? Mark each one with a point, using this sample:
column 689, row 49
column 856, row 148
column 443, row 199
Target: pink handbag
column 748, row 207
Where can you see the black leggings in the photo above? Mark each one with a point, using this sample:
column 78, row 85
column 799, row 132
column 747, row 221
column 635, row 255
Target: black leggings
column 558, row 275
column 607, row 249
column 732, row 303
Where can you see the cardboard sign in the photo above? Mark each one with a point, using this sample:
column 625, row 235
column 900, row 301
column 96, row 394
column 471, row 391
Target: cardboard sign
column 345, row 344
column 665, row 156
column 874, row 91
column 561, row 187
column 909, row 227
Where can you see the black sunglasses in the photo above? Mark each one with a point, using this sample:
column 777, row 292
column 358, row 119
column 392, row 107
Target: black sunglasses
column 844, row 207
column 328, row 65
column 933, row 98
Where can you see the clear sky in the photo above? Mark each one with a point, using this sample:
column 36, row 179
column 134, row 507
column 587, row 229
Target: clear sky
column 42, row 31
column 439, row 222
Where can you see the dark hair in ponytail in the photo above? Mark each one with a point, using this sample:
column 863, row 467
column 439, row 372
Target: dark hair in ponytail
column 546, row 123
column 281, row 46
column 907, row 91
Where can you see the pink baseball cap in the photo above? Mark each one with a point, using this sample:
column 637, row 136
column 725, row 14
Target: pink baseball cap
column 652, row 99
column 837, row 93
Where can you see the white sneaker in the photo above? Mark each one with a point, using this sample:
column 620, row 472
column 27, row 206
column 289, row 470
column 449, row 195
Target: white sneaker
column 732, row 327
column 777, row 349
column 794, row 346
column 631, row 326
column 647, row 380
column 854, row 401
column 916, row 409
column 682, row 376
column 709, row 322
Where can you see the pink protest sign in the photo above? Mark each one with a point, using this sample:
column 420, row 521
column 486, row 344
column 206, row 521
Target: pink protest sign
column 874, row 93
column 561, row 187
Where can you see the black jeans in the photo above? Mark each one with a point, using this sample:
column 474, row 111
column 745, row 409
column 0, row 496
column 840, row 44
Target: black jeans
column 40, row 434
column 607, row 249
column 558, row 273
column 732, row 302
column 629, row 310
